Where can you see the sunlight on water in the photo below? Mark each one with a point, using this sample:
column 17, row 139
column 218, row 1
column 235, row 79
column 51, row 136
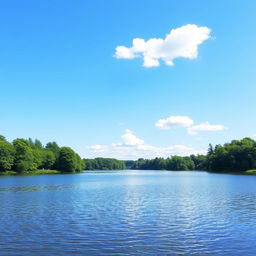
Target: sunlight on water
column 128, row 213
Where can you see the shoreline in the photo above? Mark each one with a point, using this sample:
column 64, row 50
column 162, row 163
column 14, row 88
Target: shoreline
column 52, row 172
column 32, row 173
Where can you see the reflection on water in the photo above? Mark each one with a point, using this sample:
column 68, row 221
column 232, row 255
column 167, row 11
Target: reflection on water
column 128, row 213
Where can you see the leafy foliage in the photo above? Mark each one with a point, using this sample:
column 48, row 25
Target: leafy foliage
column 6, row 155
column 24, row 159
column 69, row 161
column 171, row 163
column 104, row 164
column 237, row 156
column 26, row 156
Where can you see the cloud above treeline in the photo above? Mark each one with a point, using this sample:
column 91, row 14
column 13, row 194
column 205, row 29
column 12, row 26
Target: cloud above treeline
column 185, row 121
column 174, row 122
column 182, row 42
column 131, row 147
column 206, row 126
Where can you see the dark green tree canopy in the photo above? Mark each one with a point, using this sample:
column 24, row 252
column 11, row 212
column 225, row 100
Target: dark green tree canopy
column 26, row 155
column 69, row 161
column 6, row 155
column 24, row 158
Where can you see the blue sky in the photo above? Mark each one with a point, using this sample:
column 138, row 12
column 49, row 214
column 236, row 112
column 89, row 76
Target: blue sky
column 60, row 80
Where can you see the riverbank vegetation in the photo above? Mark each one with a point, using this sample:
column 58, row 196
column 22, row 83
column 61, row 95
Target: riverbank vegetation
column 100, row 163
column 192, row 162
column 24, row 156
column 236, row 156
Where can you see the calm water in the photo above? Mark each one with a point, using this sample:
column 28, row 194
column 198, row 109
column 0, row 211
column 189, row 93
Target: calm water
column 128, row 213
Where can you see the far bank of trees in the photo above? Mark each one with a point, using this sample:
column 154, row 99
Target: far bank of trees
column 100, row 163
column 24, row 156
column 192, row 162
column 27, row 155
column 236, row 156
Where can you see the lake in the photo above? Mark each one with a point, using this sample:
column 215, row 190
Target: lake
column 128, row 213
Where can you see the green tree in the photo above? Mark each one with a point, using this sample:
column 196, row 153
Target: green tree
column 24, row 159
column 79, row 163
column 6, row 155
column 2, row 138
column 37, row 158
column 180, row 163
column 237, row 156
column 67, row 161
column 48, row 159
column 200, row 161
column 53, row 146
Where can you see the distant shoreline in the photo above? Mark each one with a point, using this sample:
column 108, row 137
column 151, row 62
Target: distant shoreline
column 31, row 173
column 52, row 172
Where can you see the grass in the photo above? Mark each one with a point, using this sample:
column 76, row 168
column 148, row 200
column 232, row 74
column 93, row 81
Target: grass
column 8, row 173
column 35, row 172
column 40, row 172
column 252, row 172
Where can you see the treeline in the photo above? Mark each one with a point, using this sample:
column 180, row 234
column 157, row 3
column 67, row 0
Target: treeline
column 24, row 156
column 236, row 156
column 177, row 163
column 192, row 162
column 100, row 163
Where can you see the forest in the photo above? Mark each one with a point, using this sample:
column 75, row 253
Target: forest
column 192, row 162
column 28, row 156
column 236, row 156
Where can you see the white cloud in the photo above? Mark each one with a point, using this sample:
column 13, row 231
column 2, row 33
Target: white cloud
column 185, row 121
column 129, row 139
column 132, row 147
column 205, row 127
column 174, row 122
column 181, row 42
column 97, row 148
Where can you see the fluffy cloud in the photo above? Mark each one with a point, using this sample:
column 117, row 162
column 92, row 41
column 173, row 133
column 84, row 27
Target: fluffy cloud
column 185, row 121
column 174, row 122
column 132, row 147
column 181, row 42
column 205, row 127
column 129, row 139
column 97, row 148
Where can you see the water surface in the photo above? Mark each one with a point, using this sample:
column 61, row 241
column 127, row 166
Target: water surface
column 128, row 213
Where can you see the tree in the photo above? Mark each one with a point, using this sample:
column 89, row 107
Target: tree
column 101, row 163
column 53, row 146
column 200, row 161
column 67, row 160
column 6, row 155
column 24, row 159
column 79, row 163
column 37, row 157
column 2, row 138
column 180, row 163
column 237, row 156
column 48, row 159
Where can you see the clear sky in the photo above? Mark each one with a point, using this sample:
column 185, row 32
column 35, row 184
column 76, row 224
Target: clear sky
column 63, row 79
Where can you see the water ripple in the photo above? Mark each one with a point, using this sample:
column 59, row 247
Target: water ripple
column 126, row 213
